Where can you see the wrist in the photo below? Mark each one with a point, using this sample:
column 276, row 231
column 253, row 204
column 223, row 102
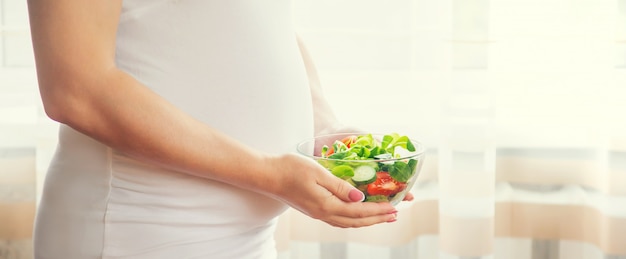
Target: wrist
column 269, row 172
column 283, row 173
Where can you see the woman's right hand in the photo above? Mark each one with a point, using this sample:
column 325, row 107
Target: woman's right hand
column 308, row 187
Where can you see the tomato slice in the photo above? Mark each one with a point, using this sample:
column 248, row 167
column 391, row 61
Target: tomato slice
column 348, row 141
column 385, row 185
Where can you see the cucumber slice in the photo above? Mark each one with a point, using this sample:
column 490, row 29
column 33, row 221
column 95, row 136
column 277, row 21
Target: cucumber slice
column 364, row 175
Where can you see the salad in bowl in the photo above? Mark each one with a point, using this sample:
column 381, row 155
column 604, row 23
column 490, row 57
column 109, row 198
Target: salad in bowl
column 383, row 166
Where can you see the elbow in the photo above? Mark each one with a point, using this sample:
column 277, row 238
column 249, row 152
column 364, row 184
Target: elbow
column 76, row 99
column 71, row 95
column 53, row 111
column 59, row 101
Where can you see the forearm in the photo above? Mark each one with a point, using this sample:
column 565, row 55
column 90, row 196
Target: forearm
column 326, row 121
column 118, row 111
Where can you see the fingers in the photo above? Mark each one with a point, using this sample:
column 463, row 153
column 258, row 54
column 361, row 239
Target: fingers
column 321, row 195
column 409, row 197
column 346, row 209
column 347, row 192
column 355, row 195
column 351, row 214
column 361, row 222
column 355, row 222
column 361, row 215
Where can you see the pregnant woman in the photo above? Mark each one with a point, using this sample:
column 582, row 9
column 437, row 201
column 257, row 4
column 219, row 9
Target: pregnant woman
column 178, row 121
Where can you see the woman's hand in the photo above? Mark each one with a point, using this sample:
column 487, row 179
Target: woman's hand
column 311, row 189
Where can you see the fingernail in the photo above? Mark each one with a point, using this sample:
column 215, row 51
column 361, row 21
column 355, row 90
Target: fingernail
column 356, row 195
column 393, row 212
column 395, row 217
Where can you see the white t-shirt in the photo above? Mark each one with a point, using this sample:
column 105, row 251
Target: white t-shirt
column 233, row 64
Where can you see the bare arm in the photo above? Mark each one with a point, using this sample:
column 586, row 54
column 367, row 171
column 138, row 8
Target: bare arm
column 80, row 86
column 74, row 43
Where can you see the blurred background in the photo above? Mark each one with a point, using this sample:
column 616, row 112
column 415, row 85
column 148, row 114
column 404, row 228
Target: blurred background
column 521, row 104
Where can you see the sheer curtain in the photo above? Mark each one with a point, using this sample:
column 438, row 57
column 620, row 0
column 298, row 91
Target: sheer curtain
column 520, row 103
column 24, row 133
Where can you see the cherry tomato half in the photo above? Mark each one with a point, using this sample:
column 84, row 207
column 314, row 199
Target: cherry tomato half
column 385, row 185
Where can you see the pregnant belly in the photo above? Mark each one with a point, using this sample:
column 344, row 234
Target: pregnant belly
column 149, row 195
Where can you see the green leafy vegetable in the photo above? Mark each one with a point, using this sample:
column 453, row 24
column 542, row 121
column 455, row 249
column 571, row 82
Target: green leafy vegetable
column 343, row 171
column 400, row 171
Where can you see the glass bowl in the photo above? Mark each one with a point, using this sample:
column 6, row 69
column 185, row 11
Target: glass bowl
column 383, row 166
